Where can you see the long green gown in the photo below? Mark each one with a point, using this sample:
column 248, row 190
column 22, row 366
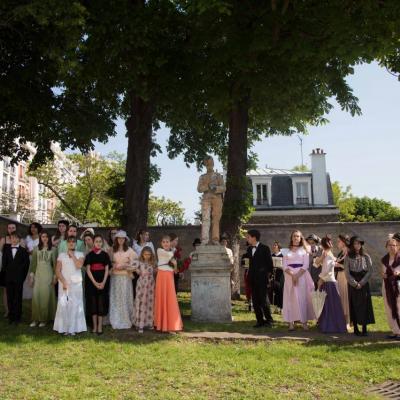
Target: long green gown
column 44, row 303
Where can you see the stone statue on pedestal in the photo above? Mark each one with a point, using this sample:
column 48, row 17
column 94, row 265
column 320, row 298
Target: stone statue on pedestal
column 212, row 185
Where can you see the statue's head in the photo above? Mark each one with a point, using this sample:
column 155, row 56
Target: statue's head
column 209, row 163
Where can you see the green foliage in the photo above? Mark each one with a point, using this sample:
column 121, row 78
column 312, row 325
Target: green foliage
column 301, row 168
column 284, row 61
column 86, row 199
column 38, row 57
column 163, row 212
column 362, row 209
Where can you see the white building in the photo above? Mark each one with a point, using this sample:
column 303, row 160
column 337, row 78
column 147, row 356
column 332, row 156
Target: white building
column 293, row 196
column 22, row 197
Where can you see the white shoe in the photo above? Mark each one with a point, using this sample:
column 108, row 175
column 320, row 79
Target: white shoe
column 140, row 330
column 33, row 324
column 42, row 324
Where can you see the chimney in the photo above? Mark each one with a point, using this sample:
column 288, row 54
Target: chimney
column 319, row 179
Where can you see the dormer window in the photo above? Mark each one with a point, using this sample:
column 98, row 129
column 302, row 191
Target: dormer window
column 261, row 194
column 302, row 193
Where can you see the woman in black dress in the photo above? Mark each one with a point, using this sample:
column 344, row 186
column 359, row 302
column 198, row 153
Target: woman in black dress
column 358, row 270
column 97, row 264
column 277, row 280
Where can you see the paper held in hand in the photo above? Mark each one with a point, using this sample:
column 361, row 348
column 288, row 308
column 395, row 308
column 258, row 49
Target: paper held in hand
column 277, row 262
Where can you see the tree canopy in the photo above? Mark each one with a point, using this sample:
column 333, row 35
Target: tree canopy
column 39, row 100
column 362, row 209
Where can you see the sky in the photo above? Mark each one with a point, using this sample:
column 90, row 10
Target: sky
column 362, row 151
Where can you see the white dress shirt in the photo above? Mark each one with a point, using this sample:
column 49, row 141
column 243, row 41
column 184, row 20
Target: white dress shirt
column 253, row 250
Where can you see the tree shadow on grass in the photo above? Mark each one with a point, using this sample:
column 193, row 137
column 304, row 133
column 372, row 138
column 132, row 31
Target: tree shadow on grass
column 243, row 324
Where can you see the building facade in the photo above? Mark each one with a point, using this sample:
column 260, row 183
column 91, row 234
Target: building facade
column 22, row 197
column 286, row 196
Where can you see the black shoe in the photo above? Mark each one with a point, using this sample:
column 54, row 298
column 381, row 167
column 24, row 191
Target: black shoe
column 391, row 336
column 357, row 333
column 258, row 325
column 270, row 322
column 268, row 325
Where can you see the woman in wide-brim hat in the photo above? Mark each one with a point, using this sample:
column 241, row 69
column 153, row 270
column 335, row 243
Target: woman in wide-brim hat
column 358, row 270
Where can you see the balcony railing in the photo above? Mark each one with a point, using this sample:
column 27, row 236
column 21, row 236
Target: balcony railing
column 261, row 202
column 302, row 201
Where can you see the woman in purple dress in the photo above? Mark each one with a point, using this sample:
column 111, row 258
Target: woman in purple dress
column 391, row 286
column 297, row 305
column 332, row 318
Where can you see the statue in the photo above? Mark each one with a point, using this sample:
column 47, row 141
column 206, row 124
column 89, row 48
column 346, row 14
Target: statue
column 212, row 186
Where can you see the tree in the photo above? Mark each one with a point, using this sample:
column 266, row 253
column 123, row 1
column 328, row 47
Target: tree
column 301, row 168
column 267, row 68
column 163, row 212
column 38, row 42
column 362, row 209
column 87, row 198
column 272, row 68
column 131, row 53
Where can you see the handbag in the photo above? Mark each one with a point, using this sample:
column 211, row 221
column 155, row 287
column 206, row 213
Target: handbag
column 318, row 300
column 64, row 299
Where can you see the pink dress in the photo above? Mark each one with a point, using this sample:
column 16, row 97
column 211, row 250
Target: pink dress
column 297, row 305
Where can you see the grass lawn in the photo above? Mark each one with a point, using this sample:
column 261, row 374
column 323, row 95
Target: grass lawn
column 39, row 364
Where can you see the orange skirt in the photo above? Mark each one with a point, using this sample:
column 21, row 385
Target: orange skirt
column 167, row 316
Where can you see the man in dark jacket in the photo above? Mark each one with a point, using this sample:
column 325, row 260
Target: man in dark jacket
column 260, row 268
column 15, row 266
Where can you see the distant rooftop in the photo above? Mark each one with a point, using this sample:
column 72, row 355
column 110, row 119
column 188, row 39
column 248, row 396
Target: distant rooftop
column 276, row 171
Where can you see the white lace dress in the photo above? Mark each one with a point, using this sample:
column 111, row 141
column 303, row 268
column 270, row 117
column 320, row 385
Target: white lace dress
column 70, row 315
column 30, row 244
column 121, row 311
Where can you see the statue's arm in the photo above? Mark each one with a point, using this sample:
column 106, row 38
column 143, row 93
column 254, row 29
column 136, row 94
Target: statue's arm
column 221, row 188
column 203, row 185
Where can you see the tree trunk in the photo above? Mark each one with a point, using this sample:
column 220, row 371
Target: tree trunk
column 236, row 196
column 137, row 182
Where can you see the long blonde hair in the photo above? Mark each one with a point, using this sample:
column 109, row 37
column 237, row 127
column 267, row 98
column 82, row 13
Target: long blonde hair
column 302, row 241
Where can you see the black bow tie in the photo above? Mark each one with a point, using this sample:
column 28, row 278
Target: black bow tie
column 253, row 247
column 14, row 247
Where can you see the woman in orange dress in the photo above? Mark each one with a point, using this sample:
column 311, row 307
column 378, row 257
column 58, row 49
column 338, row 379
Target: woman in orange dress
column 167, row 317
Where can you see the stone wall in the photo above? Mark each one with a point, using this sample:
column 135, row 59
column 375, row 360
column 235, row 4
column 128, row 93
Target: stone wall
column 374, row 234
column 292, row 219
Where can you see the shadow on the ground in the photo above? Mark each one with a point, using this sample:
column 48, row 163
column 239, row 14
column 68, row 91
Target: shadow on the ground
column 241, row 328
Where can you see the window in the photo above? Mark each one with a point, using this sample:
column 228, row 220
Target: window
column 12, row 185
column 5, row 183
column 302, row 193
column 262, row 194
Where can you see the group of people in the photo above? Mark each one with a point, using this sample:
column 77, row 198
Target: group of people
column 290, row 278
column 91, row 280
column 80, row 281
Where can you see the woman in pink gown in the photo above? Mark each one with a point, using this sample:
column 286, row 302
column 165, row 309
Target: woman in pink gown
column 297, row 305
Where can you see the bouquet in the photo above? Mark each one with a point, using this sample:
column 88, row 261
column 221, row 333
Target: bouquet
column 182, row 265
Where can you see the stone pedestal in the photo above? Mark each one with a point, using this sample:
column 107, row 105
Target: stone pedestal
column 210, row 285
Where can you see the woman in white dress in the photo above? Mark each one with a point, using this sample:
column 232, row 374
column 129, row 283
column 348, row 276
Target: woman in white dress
column 124, row 260
column 70, row 315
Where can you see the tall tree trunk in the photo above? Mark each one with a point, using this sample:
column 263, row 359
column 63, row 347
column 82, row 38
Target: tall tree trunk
column 236, row 185
column 137, row 182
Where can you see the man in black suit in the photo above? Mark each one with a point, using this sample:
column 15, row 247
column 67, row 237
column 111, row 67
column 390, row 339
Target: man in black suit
column 260, row 268
column 16, row 266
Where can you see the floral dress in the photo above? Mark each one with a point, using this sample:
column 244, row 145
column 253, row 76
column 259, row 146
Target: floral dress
column 144, row 301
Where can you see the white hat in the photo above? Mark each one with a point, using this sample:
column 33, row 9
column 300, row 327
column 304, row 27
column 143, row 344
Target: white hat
column 121, row 234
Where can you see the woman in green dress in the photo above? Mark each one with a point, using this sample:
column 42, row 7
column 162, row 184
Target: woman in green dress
column 43, row 279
